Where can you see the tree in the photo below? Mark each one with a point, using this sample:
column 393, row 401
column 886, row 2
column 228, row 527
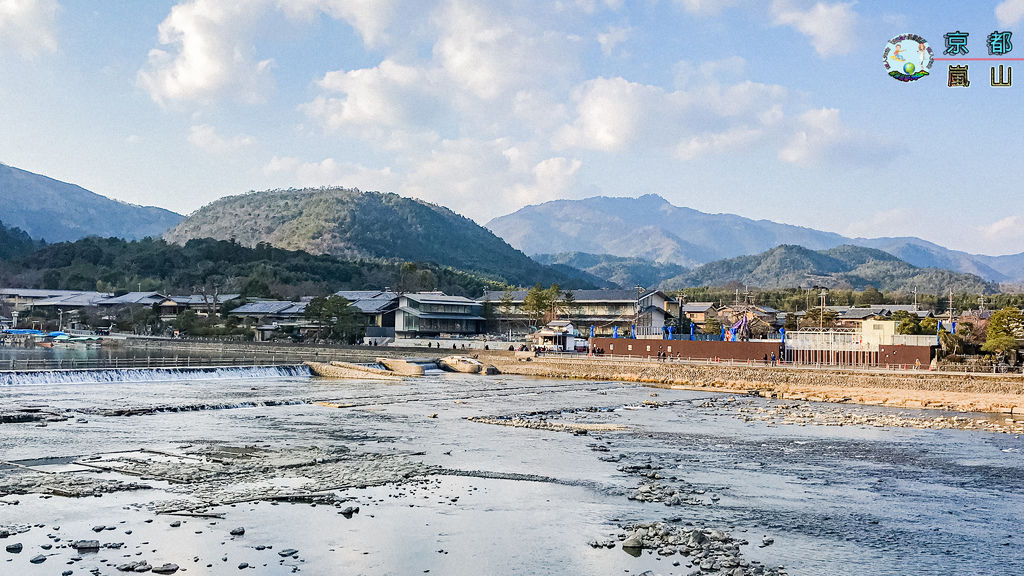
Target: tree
column 542, row 304
column 335, row 313
column 1005, row 328
column 928, row 326
column 712, row 326
column 568, row 303
column 818, row 318
column 869, row 296
column 906, row 323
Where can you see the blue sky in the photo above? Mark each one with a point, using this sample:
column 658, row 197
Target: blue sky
column 775, row 109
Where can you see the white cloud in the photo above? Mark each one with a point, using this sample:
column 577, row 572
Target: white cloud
column 829, row 26
column 206, row 46
column 611, row 112
column 206, row 138
column 292, row 171
column 489, row 54
column 28, row 27
column 387, row 95
column 704, row 7
column 369, row 18
column 612, row 38
column 1010, row 12
column 819, row 130
column 718, row 143
column 207, row 54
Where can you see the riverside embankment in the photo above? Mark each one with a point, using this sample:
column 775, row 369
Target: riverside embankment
column 999, row 393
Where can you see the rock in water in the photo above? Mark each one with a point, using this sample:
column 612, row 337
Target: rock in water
column 165, row 569
column 287, row 552
column 237, row 531
column 14, row 548
column 86, row 545
column 39, row 559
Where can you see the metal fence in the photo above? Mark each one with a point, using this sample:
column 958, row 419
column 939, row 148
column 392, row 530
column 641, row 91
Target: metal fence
column 146, row 362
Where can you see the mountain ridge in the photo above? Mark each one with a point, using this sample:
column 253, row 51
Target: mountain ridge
column 352, row 223
column 647, row 227
column 55, row 211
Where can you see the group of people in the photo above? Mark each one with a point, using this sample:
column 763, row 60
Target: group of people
column 772, row 360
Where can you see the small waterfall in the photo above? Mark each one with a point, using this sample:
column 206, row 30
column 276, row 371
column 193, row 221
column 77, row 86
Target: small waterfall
column 41, row 377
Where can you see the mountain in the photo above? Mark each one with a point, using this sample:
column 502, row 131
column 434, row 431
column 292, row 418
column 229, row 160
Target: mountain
column 621, row 271
column 56, row 211
column 650, row 227
column 366, row 225
column 14, row 242
column 844, row 266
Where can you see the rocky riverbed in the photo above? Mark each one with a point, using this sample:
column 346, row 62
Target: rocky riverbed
column 462, row 475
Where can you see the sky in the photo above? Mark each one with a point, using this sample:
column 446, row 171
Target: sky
column 770, row 109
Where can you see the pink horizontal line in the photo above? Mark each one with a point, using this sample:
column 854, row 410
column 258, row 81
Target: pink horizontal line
column 979, row 59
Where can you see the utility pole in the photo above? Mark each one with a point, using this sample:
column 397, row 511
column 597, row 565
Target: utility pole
column 821, row 311
column 950, row 306
column 915, row 298
column 636, row 318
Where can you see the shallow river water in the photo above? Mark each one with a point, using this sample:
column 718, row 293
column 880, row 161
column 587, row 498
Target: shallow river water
column 511, row 500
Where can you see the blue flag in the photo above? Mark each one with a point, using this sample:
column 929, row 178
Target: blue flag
column 615, row 331
column 633, row 331
column 670, row 332
column 591, row 330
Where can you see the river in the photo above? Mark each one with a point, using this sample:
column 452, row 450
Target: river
column 482, row 498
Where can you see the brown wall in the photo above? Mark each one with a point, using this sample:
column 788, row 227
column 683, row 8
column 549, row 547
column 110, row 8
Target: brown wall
column 688, row 349
column 893, row 355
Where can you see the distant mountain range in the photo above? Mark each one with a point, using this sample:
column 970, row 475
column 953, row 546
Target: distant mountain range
column 651, row 228
column 852, row 267
column 624, row 272
column 354, row 224
column 56, row 211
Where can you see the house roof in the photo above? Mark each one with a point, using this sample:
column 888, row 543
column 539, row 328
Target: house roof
column 263, row 307
column 578, row 295
column 357, row 295
column 75, row 299
column 199, row 298
column 697, row 306
column 36, row 293
column 438, row 298
column 144, row 298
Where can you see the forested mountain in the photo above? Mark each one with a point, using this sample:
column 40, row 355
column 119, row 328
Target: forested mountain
column 56, row 211
column 354, row 224
column 647, row 227
column 840, row 267
column 15, row 242
column 650, row 227
column 623, row 272
column 112, row 264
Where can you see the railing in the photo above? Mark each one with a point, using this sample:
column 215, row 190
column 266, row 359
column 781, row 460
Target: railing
column 136, row 362
column 885, row 368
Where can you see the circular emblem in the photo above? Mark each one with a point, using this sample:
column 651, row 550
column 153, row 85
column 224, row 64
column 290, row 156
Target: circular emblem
column 908, row 57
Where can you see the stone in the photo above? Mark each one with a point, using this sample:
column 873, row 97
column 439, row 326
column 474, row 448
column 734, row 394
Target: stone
column 288, row 552
column 86, row 545
column 243, row 565
column 38, row 559
column 176, row 524
column 237, row 531
column 633, row 542
column 167, row 568
column 14, row 548
column 99, row 528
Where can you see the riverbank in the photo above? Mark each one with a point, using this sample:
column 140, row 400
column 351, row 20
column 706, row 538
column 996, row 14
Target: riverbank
column 996, row 393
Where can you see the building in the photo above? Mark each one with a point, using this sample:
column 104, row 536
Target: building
column 608, row 311
column 699, row 312
column 436, row 315
column 272, row 317
column 560, row 335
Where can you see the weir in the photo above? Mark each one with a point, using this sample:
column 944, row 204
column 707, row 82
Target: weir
column 48, row 377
